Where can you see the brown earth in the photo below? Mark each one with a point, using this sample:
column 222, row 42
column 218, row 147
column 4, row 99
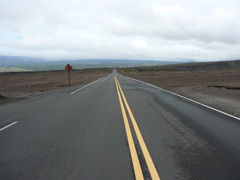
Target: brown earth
column 214, row 84
column 217, row 88
column 15, row 85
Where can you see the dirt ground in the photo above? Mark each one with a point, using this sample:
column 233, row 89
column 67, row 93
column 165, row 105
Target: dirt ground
column 21, row 84
column 216, row 88
column 219, row 89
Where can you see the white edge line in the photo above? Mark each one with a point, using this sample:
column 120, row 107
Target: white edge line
column 9, row 125
column 187, row 99
column 85, row 86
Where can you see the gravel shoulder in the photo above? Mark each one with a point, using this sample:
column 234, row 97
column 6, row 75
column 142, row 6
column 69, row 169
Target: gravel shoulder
column 218, row 89
column 19, row 85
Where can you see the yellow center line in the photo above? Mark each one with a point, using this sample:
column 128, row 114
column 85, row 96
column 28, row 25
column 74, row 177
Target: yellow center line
column 133, row 152
column 152, row 169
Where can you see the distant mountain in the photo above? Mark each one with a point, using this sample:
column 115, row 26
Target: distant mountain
column 18, row 60
column 195, row 66
column 40, row 64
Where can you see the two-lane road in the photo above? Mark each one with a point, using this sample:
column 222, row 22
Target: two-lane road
column 81, row 133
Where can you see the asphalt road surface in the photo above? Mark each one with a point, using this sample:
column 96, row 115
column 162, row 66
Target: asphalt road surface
column 116, row 128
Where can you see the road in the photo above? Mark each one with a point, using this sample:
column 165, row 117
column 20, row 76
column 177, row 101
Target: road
column 116, row 128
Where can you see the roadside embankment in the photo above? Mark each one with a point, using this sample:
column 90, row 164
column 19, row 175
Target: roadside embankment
column 217, row 88
column 15, row 85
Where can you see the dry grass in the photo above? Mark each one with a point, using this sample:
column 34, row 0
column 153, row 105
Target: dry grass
column 21, row 83
column 217, row 88
column 173, row 79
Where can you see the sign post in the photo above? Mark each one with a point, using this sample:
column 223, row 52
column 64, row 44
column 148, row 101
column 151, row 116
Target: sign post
column 68, row 68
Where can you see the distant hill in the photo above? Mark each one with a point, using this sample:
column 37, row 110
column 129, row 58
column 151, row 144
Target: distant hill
column 18, row 60
column 38, row 64
column 196, row 66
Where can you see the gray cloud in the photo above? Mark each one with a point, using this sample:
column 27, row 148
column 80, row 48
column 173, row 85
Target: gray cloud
column 164, row 30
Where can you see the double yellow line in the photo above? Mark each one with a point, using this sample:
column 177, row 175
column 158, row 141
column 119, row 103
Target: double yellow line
column 133, row 152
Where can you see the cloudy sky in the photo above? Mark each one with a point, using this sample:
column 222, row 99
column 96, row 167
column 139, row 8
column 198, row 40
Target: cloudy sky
column 121, row 29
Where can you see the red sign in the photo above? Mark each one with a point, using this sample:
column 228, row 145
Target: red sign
column 68, row 67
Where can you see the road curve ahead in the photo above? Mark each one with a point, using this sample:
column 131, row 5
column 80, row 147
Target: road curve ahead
column 116, row 128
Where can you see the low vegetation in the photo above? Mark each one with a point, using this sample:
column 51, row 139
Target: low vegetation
column 201, row 66
column 216, row 84
column 13, row 69
column 24, row 83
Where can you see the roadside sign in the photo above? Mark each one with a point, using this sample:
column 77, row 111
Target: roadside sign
column 68, row 68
